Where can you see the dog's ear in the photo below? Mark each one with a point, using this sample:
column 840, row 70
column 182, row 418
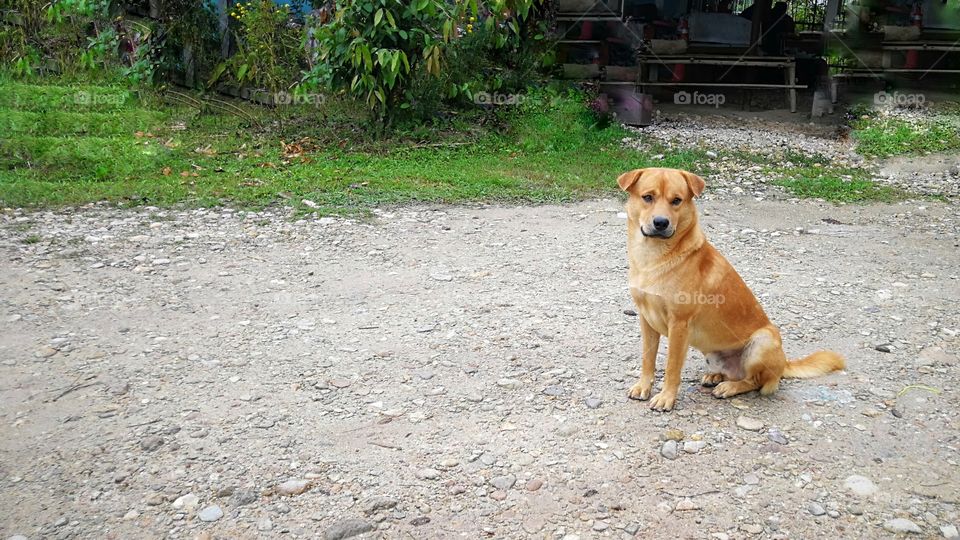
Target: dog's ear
column 695, row 183
column 629, row 178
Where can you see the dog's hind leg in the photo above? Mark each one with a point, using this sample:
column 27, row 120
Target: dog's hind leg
column 763, row 363
column 714, row 375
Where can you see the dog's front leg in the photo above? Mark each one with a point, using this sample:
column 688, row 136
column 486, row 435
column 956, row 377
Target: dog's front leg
column 676, row 354
column 651, row 343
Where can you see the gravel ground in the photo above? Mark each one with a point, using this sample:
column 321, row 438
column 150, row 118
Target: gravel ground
column 729, row 137
column 446, row 372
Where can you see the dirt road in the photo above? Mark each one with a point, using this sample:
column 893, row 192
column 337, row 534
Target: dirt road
column 462, row 372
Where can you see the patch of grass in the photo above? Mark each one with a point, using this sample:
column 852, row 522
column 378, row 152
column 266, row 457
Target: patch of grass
column 837, row 185
column 892, row 135
column 32, row 239
column 150, row 153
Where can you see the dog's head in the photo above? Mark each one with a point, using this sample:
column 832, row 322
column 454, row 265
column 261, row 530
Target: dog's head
column 661, row 200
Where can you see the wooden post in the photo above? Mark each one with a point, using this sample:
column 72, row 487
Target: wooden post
column 761, row 12
column 223, row 18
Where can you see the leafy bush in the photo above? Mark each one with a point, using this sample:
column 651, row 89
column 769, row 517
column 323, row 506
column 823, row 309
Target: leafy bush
column 269, row 48
column 401, row 55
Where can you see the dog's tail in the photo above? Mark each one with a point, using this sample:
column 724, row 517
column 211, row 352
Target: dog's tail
column 816, row 364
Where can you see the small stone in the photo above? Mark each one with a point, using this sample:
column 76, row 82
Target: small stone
column 751, row 479
column 777, row 436
column 902, row 526
column 669, row 449
column 340, row 383
column 567, row 430
column 949, row 532
column 293, row 486
column 244, row 497
column 151, row 443
column 855, row 509
column 816, row 509
column 264, row 525
column 347, row 528
column 132, row 514
column 686, row 504
column 210, row 513
column 376, row 504
column 752, row 528
column 45, row 352
column 593, row 403
column 418, row 521
column 860, row 485
column 428, row 474
column 498, row 495
column 534, row 484
column 553, row 390
column 672, row 435
column 711, row 154
column 503, row 482
column 694, row 447
column 186, row 502
column 749, row 424
column 600, row 526
column 511, row 384
column 883, row 347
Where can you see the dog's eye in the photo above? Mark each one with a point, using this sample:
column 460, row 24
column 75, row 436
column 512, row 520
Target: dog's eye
column 676, row 201
column 648, row 198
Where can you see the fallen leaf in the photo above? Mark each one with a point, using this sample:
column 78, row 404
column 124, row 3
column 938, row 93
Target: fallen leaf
column 166, row 171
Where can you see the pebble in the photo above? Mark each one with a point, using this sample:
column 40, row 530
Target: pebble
column 428, row 474
column 669, row 449
column 511, row 384
column 694, row 447
column 777, row 436
column 534, row 484
column 45, row 352
column 949, row 531
column 685, row 505
column 151, row 443
column 264, row 525
column 860, row 485
column 553, row 391
column 902, row 526
column 210, row 513
column 672, row 435
column 816, row 509
column 186, row 502
column 503, row 482
column 749, row 424
column 293, row 486
column 347, row 528
column 593, row 403
column 378, row 503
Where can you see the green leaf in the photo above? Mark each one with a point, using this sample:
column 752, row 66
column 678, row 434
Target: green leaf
column 378, row 17
column 242, row 72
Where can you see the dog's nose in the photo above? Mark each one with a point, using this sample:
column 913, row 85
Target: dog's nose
column 660, row 223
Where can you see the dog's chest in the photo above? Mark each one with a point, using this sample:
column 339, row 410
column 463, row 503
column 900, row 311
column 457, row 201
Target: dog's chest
column 653, row 308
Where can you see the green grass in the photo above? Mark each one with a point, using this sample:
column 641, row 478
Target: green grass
column 892, row 136
column 836, row 185
column 108, row 145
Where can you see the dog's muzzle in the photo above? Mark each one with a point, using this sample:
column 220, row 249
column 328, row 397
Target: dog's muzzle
column 653, row 233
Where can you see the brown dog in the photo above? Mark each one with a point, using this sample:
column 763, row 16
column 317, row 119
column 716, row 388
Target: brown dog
column 685, row 290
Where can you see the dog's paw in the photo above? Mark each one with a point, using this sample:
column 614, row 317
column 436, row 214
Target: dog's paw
column 640, row 391
column 725, row 390
column 663, row 401
column 712, row 379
